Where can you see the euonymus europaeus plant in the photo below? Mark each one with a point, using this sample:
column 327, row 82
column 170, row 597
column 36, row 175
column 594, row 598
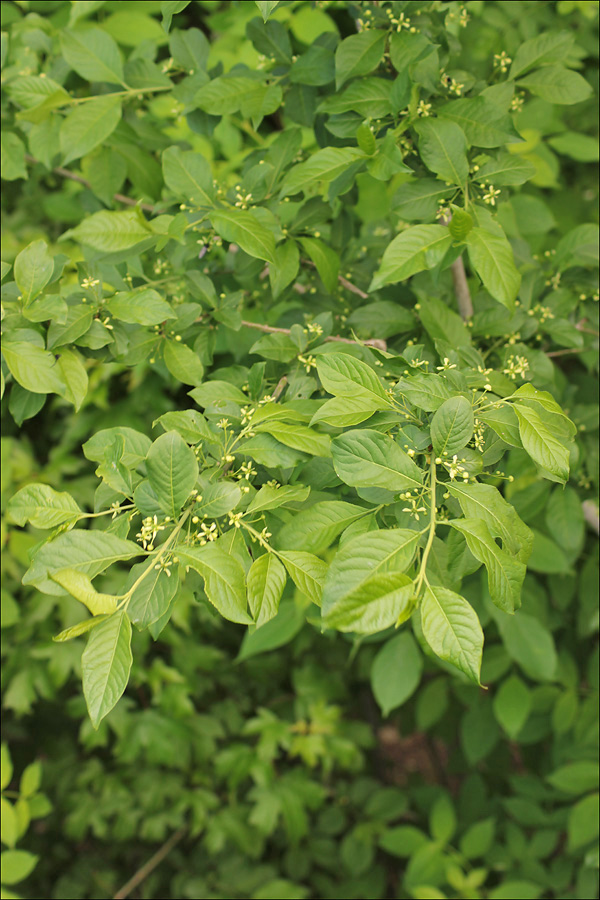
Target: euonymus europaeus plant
column 354, row 190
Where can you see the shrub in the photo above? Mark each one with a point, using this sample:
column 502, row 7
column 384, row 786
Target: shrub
column 314, row 292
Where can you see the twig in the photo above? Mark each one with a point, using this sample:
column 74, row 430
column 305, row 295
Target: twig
column 270, row 329
column 567, row 352
column 461, row 287
column 152, row 863
column 591, row 515
column 352, row 287
column 73, row 176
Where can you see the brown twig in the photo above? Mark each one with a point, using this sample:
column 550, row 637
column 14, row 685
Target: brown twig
column 591, row 515
column 73, row 176
column 271, row 329
column 567, row 352
column 461, row 287
column 149, row 867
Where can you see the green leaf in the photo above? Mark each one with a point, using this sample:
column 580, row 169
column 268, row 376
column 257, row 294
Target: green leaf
column 273, row 634
column 530, row 644
column 582, row 826
column 344, row 376
column 396, row 672
column 12, row 156
column 93, row 54
column 183, row 363
column 285, row 267
column 482, row 501
column 299, row 437
column 526, row 890
column 483, row 123
column 16, row 865
column 357, row 55
column 306, row 571
column 145, row 307
column 6, row 767
column 87, row 126
column 557, row 85
column 9, row 826
column 478, row 839
column 33, row 270
column 323, row 166
column 172, row 471
column 492, row 258
column 244, row 229
column 452, row 426
column 460, row 224
column 189, row 49
column 549, row 47
column 315, row 528
column 42, row 506
column 266, row 581
column 326, row 260
column 512, row 705
column 35, row 369
column 224, row 580
column 504, row 422
column 506, row 169
column 417, row 248
column 271, row 40
column 565, row 521
column 135, row 445
column 452, row 630
column 542, row 444
column 89, row 552
column 575, row 778
column 189, row 176
column 364, row 589
column 76, row 631
column 228, row 94
column 371, row 459
column 443, row 149
column 369, row 97
column 547, row 556
column 343, row 412
column 420, row 199
column 269, row 497
column 425, row 391
column 152, row 597
column 80, row 586
column 170, row 8
column 105, row 665
column 442, row 819
column 112, row 231
column 31, row 779
column 74, row 375
column 581, row 147
column 505, row 573
column 266, row 7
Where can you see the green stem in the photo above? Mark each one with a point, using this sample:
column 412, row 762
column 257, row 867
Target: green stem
column 432, row 523
column 166, row 546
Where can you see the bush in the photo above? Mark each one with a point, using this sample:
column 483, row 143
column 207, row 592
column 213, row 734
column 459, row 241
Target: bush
column 300, row 319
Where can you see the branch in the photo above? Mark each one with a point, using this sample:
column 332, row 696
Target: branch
column 73, row 176
column 149, row 867
column 461, row 287
column 567, row 352
column 591, row 515
column 377, row 343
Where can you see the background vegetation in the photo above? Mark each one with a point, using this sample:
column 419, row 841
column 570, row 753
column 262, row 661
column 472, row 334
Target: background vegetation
column 144, row 194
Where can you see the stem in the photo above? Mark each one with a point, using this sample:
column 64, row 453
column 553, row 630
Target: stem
column 149, row 867
column 167, row 544
column 591, row 515
column 461, row 287
column 73, row 176
column 432, row 524
column 270, row 329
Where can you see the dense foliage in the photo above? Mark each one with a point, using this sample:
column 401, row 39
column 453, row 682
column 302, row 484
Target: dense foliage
column 299, row 370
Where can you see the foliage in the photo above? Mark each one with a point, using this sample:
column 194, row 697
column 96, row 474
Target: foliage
column 396, row 197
